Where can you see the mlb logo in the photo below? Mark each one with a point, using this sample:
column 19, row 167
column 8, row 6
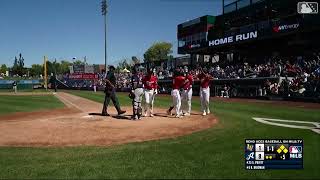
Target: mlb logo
column 307, row 7
column 295, row 149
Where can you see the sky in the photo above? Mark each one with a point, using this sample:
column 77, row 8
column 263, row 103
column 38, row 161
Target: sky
column 63, row 29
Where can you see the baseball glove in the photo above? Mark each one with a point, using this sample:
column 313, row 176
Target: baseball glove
column 131, row 95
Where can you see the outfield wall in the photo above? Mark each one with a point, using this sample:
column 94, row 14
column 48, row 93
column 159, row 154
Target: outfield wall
column 22, row 84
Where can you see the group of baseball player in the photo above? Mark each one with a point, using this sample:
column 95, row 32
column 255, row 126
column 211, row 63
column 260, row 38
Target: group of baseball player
column 147, row 86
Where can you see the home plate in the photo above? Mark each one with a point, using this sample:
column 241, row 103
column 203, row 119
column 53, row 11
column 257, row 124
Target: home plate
column 87, row 116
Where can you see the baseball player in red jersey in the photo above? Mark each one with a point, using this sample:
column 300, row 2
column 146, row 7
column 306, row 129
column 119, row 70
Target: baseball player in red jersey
column 177, row 84
column 205, row 78
column 187, row 93
column 150, row 84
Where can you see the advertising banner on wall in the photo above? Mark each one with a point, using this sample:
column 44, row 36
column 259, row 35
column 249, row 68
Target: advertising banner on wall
column 71, row 69
column 78, row 68
column 88, row 69
column 83, row 76
column 96, row 68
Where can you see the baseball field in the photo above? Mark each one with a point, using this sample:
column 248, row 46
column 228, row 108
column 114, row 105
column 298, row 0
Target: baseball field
column 53, row 136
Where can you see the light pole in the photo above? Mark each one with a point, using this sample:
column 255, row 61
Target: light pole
column 104, row 11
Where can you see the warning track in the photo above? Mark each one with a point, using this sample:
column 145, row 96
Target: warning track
column 73, row 126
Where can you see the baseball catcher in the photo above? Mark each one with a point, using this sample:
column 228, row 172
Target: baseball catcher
column 136, row 94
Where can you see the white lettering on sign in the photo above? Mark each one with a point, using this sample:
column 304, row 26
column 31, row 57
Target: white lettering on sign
column 221, row 41
column 230, row 39
column 195, row 45
column 285, row 27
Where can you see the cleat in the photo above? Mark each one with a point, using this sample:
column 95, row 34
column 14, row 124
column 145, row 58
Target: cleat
column 187, row 114
column 151, row 115
column 121, row 112
column 204, row 114
column 105, row 114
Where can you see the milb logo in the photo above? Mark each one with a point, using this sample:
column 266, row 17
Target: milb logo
column 307, row 7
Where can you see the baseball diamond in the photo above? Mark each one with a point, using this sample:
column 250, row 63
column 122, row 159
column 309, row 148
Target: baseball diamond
column 161, row 89
column 70, row 129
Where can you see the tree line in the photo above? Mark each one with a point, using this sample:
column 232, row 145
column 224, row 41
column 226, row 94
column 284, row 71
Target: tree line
column 157, row 52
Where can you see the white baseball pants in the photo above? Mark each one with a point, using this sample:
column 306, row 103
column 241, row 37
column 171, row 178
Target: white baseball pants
column 204, row 99
column 149, row 99
column 186, row 100
column 176, row 100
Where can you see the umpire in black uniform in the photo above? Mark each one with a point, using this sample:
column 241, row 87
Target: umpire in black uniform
column 110, row 93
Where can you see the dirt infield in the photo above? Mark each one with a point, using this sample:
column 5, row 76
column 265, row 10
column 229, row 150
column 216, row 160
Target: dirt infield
column 73, row 126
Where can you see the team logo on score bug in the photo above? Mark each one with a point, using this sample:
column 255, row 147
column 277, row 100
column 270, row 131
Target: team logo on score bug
column 250, row 156
column 250, row 147
column 295, row 149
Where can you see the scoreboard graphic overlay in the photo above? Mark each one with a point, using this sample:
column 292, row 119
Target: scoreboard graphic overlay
column 273, row 154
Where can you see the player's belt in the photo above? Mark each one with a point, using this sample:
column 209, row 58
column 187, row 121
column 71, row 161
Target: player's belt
column 137, row 88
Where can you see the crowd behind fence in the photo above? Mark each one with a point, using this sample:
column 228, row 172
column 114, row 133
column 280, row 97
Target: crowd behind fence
column 291, row 76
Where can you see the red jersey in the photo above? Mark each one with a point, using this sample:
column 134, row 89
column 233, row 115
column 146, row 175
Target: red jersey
column 188, row 84
column 204, row 81
column 178, row 82
column 150, row 82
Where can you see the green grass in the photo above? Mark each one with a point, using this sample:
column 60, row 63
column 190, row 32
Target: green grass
column 24, row 90
column 214, row 153
column 12, row 104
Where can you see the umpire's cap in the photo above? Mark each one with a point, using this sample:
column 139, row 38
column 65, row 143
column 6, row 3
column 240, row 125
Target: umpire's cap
column 111, row 67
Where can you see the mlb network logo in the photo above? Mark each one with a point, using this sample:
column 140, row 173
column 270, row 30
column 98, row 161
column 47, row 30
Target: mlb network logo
column 295, row 149
column 307, row 7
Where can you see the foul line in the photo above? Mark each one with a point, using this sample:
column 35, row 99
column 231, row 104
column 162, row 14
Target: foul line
column 69, row 102
column 267, row 121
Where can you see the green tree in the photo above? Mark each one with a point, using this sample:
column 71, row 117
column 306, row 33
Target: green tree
column 50, row 68
column 64, row 67
column 135, row 60
column 124, row 64
column 56, row 67
column 3, row 68
column 78, row 62
column 15, row 67
column 36, row 70
column 158, row 51
column 21, row 69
